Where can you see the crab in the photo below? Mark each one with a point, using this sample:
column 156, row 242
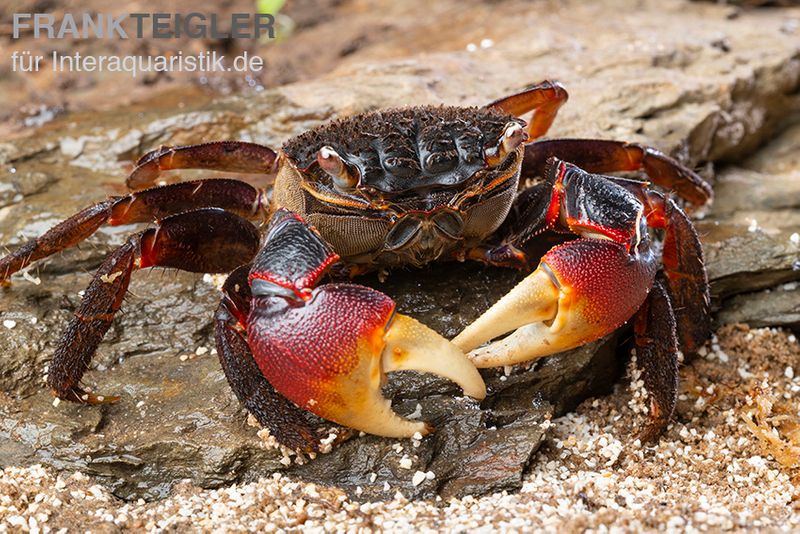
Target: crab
column 392, row 188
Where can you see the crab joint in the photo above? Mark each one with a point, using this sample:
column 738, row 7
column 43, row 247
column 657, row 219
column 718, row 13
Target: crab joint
column 333, row 165
column 513, row 136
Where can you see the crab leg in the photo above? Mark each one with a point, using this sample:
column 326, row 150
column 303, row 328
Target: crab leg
column 684, row 271
column 143, row 206
column 582, row 289
column 602, row 155
column 290, row 425
column 328, row 348
column 228, row 156
column 544, row 99
column 206, row 240
column 657, row 356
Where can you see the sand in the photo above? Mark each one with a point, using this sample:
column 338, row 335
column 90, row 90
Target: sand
column 729, row 461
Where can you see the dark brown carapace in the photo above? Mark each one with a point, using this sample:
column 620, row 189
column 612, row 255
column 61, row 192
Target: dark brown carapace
column 422, row 185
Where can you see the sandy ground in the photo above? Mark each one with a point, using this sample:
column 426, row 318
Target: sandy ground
column 728, row 462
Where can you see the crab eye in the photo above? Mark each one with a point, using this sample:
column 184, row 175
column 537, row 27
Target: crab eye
column 333, row 164
column 513, row 136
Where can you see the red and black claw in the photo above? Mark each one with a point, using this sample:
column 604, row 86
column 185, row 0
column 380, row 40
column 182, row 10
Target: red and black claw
column 291, row 426
column 581, row 291
column 328, row 348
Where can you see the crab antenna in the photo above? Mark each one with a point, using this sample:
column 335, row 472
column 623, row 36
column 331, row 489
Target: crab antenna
column 333, row 164
column 513, row 136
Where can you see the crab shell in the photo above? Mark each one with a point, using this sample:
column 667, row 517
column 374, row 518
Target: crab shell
column 418, row 184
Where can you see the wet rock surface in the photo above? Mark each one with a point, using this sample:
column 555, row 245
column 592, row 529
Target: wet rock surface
column 751, row 237
column 680, row 91
column 178, row 418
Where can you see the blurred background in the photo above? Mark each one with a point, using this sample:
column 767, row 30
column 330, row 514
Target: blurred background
column 313, row 37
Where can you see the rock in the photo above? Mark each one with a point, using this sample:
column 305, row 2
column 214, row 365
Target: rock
column 750, row 233
column 741, row 260
column 178, row 418
column 474, row 452
column 640, row 76
column 779, row 306
column 141, row 449
column 17, row 187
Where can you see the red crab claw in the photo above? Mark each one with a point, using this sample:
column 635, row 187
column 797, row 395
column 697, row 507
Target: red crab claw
column 328, row 348
column 582, row 289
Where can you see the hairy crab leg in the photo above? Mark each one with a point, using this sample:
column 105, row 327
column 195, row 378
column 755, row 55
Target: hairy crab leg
column 656, row 344
column 229, row 156
column 291, row 426
column 328, row 348
column 143, row 206
column 602, row 155
column 206, row 240
column 544, row 99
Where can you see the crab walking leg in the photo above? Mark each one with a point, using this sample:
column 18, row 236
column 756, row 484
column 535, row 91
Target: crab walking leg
column 143, row 206
column 684, row 270
column 602, row 155
column 328, row 348
column 290, row 425
column 657, row 356
column 206, row 240
column 228, row 156
column 544, row 99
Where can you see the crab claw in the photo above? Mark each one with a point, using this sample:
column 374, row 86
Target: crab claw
column 581, row 291
column 328, row 348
